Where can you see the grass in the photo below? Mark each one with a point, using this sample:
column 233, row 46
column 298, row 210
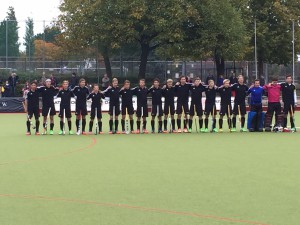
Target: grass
column 178, row 179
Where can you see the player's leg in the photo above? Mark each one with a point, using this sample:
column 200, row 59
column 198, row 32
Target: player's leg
column 92, row 118
column 61, row 122
column 69, row 116
column 123, row 119
column 111, row 115
column 28, row 122
column 200, row 116
column 243, row 113
column 235, row 113
column 192, row 113
column 186, row 113
column 292, row 121
column 131, row 112
column 37, row 120
column 138, row 120
column 153, row 115
column 179, row 116
column 214, row 120
column 116, row 114
column 172, row 112
column 83, row 114
column 166, row 114
column 160, row 114
column 99, row 118
column 208, row 111
column 222, row 113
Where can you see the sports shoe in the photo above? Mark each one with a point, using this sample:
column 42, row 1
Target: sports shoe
column 179, row 131
column 78, row 132
column 145, row 131
column 51, row 132
column 215, row 130
column 71, row 132
column 202, row 130
column 123, row 132
column 83, row 133
column 220, row 130
column 190, row 130
column 153, row 131
column 293, row 129
column 60, row 132
column 138, row 132
column 251, row 130
column 110, row 132
column 174, row 131
column 37, row 133
column 244, row 129
column 132, row 132
column 165, row 131
column 28, row 133
column 101, row 132
column 206, row 130
column 185, row 130
column 160, row 131
column 233, row 130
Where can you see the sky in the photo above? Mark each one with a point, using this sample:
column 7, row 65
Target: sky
column 39, row 10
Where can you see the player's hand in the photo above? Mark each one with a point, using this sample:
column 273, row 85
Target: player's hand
column 252, row 86
column 177, row 83
column 164, row 87
column 109, row 87
column 221, row 86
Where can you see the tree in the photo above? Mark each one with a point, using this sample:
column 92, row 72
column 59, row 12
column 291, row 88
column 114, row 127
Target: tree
column 51, row 33
column 29, row 38
column 47, row 50
column 12, row 34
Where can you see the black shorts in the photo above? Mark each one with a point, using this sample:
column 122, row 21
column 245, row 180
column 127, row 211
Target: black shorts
column 157, row 110
column 129, row 108
column 45, row 110
column 184, row 106
column 114, row 109
column 256, row 108
column 274, row 107
column 287, row 108
column 81, row 110
column 93, row 113
column 33, row 112
column 142, row 112
column 199, row 109
column 225, row 109
column 169, row 108
column 67, row 111
column 210, row 109
column 242, row 109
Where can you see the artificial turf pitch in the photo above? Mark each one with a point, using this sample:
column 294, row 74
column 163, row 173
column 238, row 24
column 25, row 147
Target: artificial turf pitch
column 154, row 179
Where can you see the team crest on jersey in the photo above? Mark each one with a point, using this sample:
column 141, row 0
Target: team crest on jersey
column 63, row 92
column 45, row 89
column 112, row 90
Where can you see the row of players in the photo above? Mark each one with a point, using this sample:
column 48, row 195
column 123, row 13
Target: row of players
column 182, row 90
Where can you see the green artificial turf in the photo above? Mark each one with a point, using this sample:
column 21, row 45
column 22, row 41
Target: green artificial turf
column 154, row 179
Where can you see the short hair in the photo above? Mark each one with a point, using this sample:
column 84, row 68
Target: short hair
column 156, row 79
column 197, row 78
column 81, row 80
column 65, row 81
column 182, row 77
column 256, row 80
column 274, row 78
column 95, row 85
column 169, row 81
column 211, row 81
column 226, row 80
column 33, row 82
column 115, row 80
column 240, row 76
column 142, row 80
column 126, row 82
column 287, row 76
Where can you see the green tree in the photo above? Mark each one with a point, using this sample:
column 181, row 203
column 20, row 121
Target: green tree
column 29, row 38
column 51, row 33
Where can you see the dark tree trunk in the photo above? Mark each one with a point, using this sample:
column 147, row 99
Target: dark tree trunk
column 144, row 59
column 220, row 64
column 106, row 59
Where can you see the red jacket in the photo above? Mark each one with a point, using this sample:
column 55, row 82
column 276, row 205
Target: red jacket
column 273, row 92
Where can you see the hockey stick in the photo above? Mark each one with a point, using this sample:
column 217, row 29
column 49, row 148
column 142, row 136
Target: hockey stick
column 127, row 122
column 96, row 125
column 142, row 118
column 28, row 117
column 46, row 123
column 212, row 119
column 114, row 121
column 196, row 115
column 240, row 119
column 64, row 127
column 170, row 120
column 292, row 116
column 229, row 116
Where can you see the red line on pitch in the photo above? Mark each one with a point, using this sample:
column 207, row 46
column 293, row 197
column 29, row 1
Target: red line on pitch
column 138, row 208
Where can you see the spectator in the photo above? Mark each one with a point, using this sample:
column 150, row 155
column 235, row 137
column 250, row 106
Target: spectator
column 26, row 88
column 6, row 92
column 13, row 80
column 220, row 81
column 53, row 80
column 233, row 79
column 262, row 81
column 43, row 80
column 74, row 81
column 105, row 82
column 210, row 77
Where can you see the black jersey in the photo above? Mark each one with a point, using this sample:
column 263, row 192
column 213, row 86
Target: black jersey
column 241, row 91
column 32, row 98
column 169, row 95
column 81, row 94
column 182, row 92
column 96, row 99
column 47, row 95
column 288, row 93
column 196, row 93
column 210, row 95
column 114, row 95
column 225, row 94
column 141, row 95
column 65, row 96
column 156, row 94
column 126, row 95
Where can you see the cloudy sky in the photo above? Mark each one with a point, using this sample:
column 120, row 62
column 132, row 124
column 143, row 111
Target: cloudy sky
column 39, row 10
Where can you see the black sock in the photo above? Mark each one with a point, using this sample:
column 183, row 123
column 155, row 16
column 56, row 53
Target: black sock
column 200, row 123
column 61, row 125
column 214, row 123
column 292, row 122
column 165, row 124
column 51, row 126
column 145, row 124
column 173, row 124
column 229, row 123
column 159, row 125
column 138, row 124
column 37, row 126
column 206, row 123
column 221, row 123
column 243, row 122
column 179, row 123
column 28, row 126
column 116, row 124
column 100, row 126
column 44, row 125
column 123, row 124
column 77, row 124
column 131, row 125
column 190, row 123
column 91, row 126
column 152, row 124
column 70, row 125
column 285, row 122
column 185, row 123
column 234, row 122
column 110, row 125
column 83, row 124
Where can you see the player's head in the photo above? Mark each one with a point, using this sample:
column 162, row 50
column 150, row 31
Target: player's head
column 169, row 83
column 241, row 79
column 96, row 88
column 197, row 81
column 226, row 83
column 33, row 86
column 256, row 83
column 142, row 83
column 211, row 83
column 288, row 79
column 274, row 80
column 115, row 82
column 65, row 84
column 182, row 80
column 48, row 83
column 156, row 82
column 126, row 84
column 82, row 83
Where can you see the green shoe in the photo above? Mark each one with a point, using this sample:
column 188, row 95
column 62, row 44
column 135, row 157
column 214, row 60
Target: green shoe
column 51, row 132
column 60, row 132
column 202, row 130
column 244, row 130
column 233, row 130
column 293, row 129
column 215, row 130
column 190, row 130
column 71, row 132
column 206, row 130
